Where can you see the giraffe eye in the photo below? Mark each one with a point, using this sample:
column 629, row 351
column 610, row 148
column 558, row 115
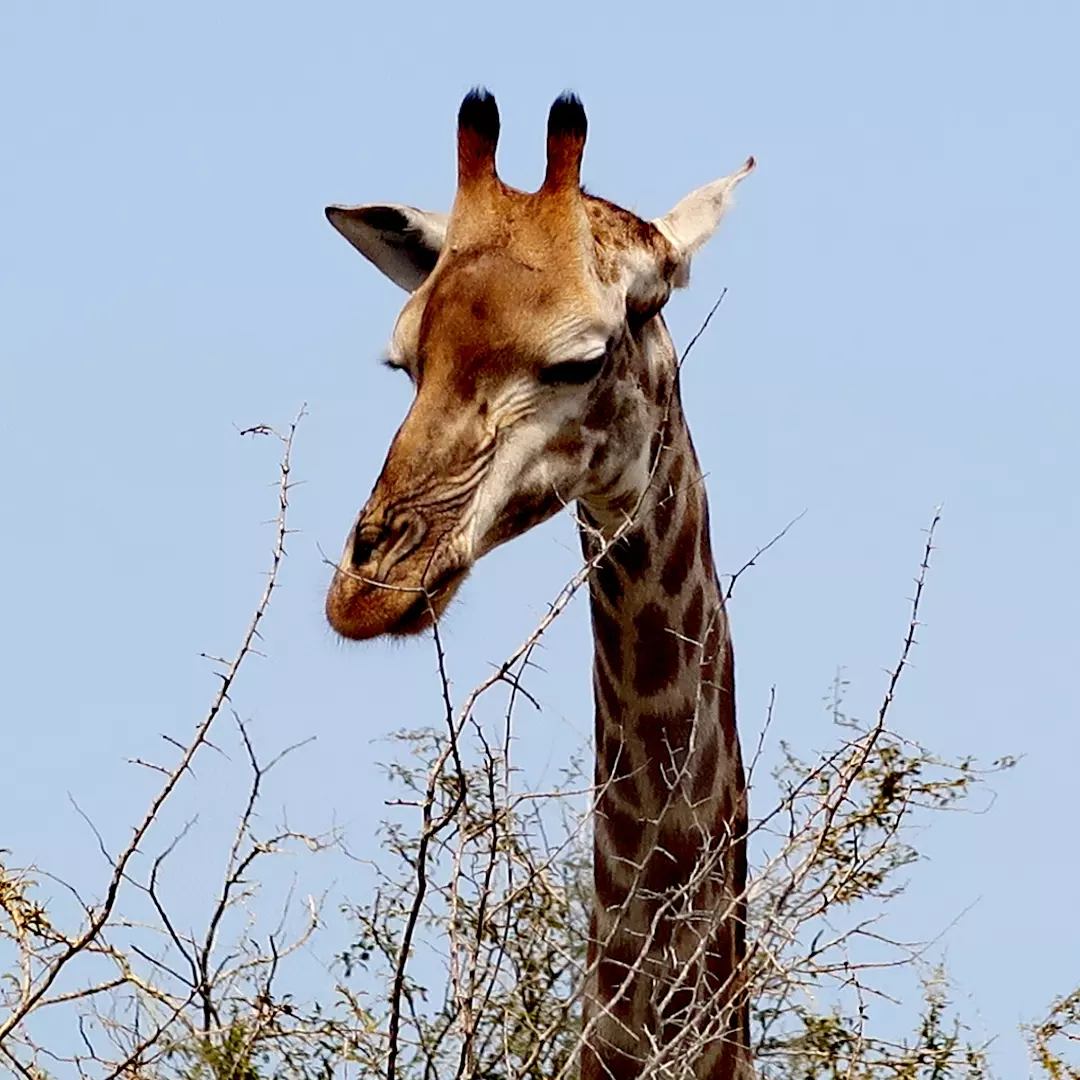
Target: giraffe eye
column 395, row 365
column 572, row 372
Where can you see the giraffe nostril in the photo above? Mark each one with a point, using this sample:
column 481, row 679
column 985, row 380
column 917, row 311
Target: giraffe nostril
column 386, row 543
column 362, row 550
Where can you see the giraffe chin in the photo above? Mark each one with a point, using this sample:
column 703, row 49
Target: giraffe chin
column 359, row 610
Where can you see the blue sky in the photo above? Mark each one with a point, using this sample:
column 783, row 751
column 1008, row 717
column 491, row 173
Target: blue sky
column 900, row 331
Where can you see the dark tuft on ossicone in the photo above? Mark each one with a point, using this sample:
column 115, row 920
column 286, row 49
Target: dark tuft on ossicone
column 567, row 117
column 480, row 114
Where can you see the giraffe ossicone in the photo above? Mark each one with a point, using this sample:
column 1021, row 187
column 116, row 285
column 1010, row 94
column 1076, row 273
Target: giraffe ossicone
column 544, row 374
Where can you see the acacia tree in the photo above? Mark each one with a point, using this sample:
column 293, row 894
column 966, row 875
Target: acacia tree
column 469, row 958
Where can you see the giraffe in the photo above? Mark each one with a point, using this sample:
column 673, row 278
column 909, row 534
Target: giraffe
column 544, row 374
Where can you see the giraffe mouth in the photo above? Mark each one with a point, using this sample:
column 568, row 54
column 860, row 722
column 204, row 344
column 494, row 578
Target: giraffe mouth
column 360, row 608
column 428, row 605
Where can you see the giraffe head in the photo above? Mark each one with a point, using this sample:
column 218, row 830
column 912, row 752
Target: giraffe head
column 523, row 336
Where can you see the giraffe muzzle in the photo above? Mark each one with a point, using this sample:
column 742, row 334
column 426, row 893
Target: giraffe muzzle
column 391, row 579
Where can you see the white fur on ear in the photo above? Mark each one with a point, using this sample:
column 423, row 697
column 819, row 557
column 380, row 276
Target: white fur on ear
column 695, row 218
column 403, row 242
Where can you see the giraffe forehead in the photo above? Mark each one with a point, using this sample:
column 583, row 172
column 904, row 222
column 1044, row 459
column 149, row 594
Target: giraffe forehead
column 537, row 276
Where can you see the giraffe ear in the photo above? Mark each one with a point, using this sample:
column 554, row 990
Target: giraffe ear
column 403, row 242
column 695, row 218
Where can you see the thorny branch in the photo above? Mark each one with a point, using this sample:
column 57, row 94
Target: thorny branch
column 45, row 952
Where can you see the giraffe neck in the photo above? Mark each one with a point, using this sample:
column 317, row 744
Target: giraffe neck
column 670, row 805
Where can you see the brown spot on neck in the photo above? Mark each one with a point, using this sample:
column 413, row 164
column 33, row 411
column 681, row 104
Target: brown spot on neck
column 683, row 554
column 631, row 553
column 656, row 651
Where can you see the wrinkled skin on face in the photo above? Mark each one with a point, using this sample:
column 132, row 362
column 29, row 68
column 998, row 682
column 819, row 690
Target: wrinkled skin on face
column 540, row 364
